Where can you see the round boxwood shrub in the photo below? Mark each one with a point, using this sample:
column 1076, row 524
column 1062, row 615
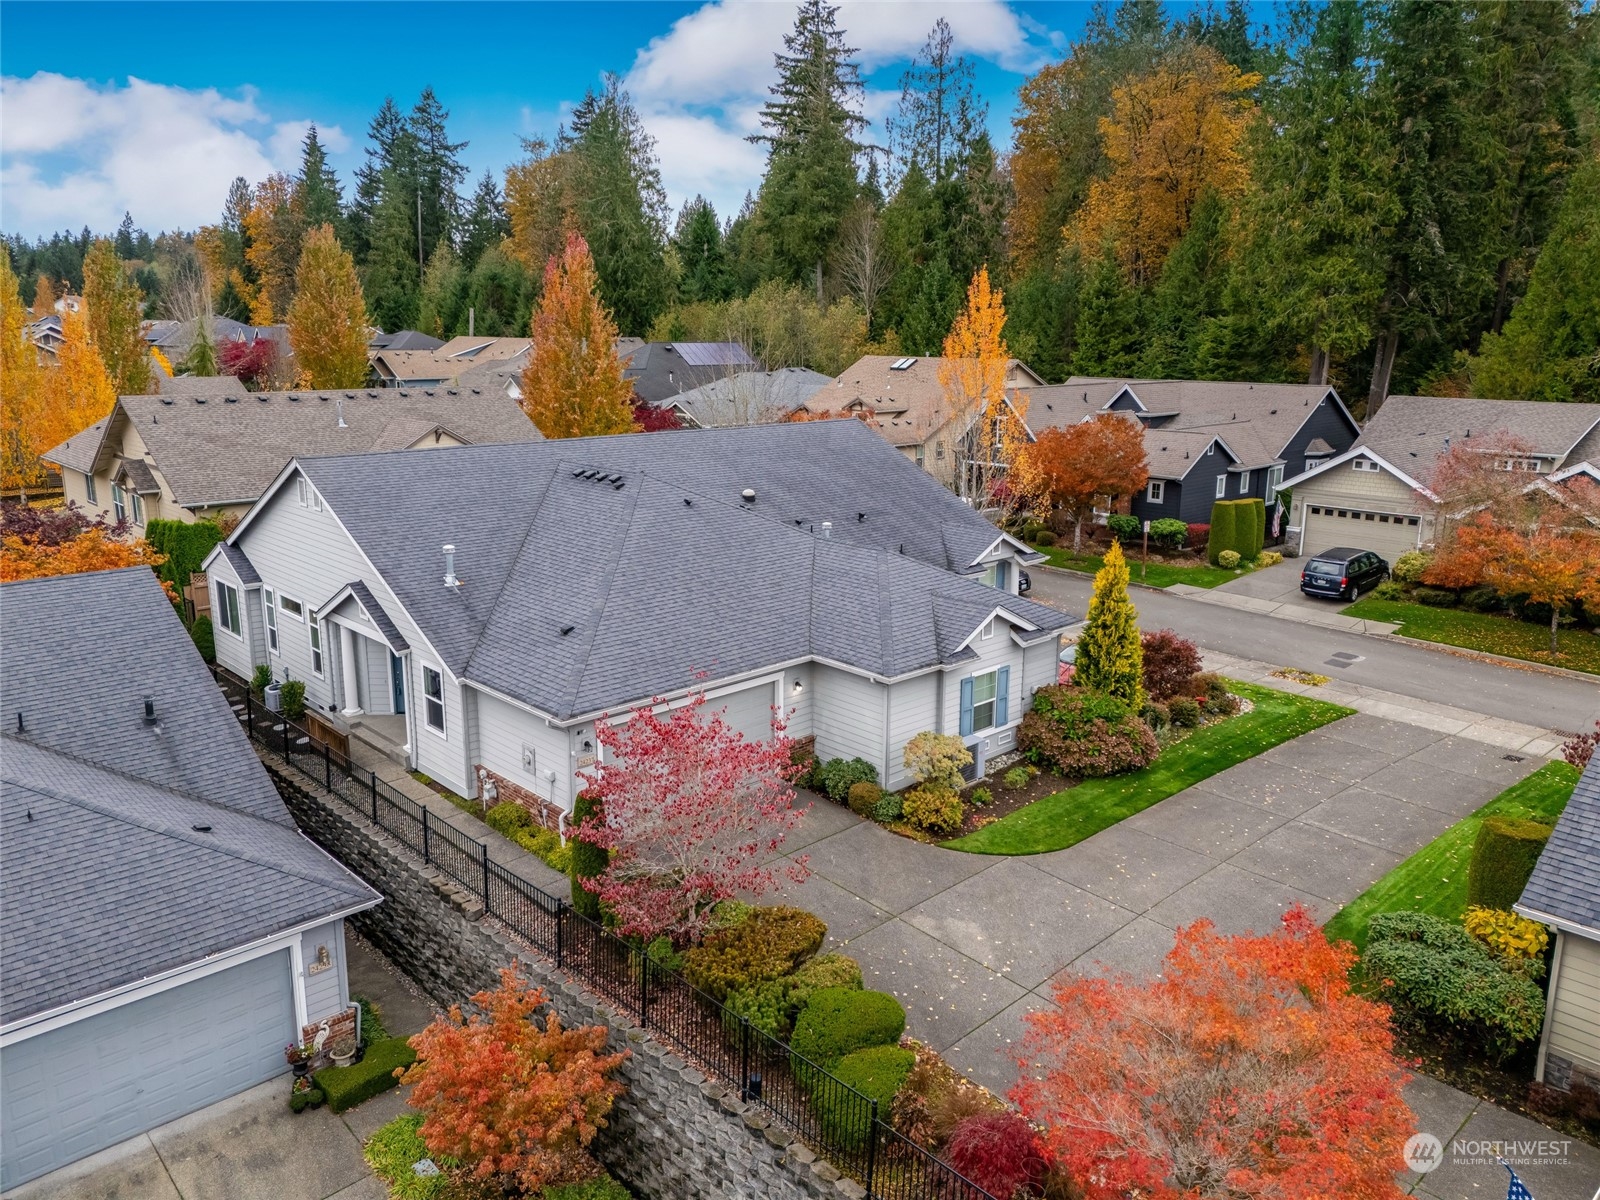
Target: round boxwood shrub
column 1085, row 734
column 1409, row 566
column 1126, row 529
column 864, row 798
column 842, row 1102
column 1228, row 559
column 1503, row 856
column 934, row 810
column 768, row 944
column 1434, row 597
column 890, row 809
column 1045, row 539
column 838, row 775
column 1169, row 533
column 837, row 1021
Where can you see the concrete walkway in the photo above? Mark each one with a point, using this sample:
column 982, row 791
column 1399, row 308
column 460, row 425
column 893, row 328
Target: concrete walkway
column 1275, row 592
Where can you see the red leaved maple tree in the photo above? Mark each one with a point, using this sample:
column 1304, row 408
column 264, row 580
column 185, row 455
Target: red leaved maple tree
column 1073, row 467
column 509, row 1097
column 1248, row 1069
column 39, row 542
column 692, row 812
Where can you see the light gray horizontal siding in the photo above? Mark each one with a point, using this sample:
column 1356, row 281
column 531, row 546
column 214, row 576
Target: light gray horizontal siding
column 913, row 709
column 847, row 716
column 326, row 990
column 1575, row 1010
column 503, row 729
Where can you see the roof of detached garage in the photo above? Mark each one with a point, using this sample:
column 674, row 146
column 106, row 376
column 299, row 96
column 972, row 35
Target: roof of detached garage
column 130, row 848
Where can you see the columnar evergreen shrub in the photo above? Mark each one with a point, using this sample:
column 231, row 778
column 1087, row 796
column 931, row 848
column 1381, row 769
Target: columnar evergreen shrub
column 1251, row 532
column 588, row 860
column 1110, row 658
column 205, row 638
column 293, row 698
column 185, row 544
column 1221, row 535
column 1503, row 857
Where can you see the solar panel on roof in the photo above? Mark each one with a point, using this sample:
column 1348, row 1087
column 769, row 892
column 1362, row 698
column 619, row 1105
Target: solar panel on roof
column 713, row 354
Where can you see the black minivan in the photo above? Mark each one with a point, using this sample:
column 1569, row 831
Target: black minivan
column 1343, row 573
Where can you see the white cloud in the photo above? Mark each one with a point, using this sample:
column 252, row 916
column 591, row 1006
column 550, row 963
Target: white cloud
column 699, row 87
column 74, row 152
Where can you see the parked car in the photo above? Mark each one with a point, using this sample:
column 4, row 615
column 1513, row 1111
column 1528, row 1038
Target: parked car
column 1343, row 573
column 1024, row 582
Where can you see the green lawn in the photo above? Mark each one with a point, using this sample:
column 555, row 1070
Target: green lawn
column 1434, row 879
column 1157, row 574
column 1580, row 651
column 1067, row 817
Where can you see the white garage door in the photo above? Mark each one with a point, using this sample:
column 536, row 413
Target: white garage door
column 1387, row 534
column 749, row 711
column 102, row 1080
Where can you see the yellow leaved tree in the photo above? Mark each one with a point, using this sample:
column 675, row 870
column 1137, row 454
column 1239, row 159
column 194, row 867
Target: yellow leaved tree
column 328, row 317
column 1173, row 135
column 973, row 376
column 115, row 319
column 573, row 385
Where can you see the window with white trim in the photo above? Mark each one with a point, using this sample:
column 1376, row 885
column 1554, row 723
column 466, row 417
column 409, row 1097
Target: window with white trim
column 1156, row 491
column 1244, row 482
column 138, row 508
column 119, row 502
column 269, row 602
column 433, row 698
column 988, row 629
column 88, row 487
column 1222, row 486
column 1274, row 482
column 984, row 690
column 291, row 608
column 1363, row 464
column 309, row 496
column 228, row 608
column 315, row 629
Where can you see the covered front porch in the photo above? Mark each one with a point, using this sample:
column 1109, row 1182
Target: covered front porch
column 369, row 674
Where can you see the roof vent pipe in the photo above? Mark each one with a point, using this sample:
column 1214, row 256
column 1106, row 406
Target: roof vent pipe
column 450, row 579
column 339, row 404
column 150, row 717
column 748, row 495
column 827, row 529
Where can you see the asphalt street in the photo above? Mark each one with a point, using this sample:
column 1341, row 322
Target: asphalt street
column 1552, row 701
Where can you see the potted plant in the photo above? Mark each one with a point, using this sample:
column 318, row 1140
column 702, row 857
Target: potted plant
column 343, row 1050
column 299, row 1058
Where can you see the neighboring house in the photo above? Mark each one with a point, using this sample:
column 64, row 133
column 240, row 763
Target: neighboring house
column 1206, row 441
column 198, row 385
column 803, row 566
column 662, row 370
column 748, row 398
column 1564, row 893
column 1374, row 495
column 447, row 363
column 47, row 336
column 902, row 399
column 168, row 930
column 189, row 456
column 405, row 339
column 173, row 338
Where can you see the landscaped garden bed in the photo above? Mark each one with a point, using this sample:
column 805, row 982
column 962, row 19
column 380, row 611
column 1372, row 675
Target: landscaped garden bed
column 1174, row 552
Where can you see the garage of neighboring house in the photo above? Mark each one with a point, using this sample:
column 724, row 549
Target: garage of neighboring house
column 1388, row 534
column 748, row 710
column 98, row 1081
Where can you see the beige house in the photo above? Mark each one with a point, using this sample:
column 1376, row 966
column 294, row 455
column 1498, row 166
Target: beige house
column 1375, row 495
column 189, row 455
column 902, row 399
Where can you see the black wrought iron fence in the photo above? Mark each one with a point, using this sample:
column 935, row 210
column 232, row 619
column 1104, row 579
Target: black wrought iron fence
column 827, row 1113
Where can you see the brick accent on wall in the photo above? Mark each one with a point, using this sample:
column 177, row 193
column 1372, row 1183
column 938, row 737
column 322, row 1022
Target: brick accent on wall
column 674, row 1132
column 542, row 811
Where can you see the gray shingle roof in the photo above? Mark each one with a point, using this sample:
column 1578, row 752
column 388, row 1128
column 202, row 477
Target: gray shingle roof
column 215, row 451
column 139, row 476
column 750, row 396
column 201, row 385
column 1412, row 432
column 242, row 566
column 77, row 453
column 557, row 551
column 381, row 619
column 660, row 370
column 1566, row 882
column 104, row 878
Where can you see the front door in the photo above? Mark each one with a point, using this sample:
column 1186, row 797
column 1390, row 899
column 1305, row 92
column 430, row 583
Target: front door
column 398, row 677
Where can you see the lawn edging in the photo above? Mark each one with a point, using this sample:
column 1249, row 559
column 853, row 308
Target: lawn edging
column 1434, row 879
column 1067, row 817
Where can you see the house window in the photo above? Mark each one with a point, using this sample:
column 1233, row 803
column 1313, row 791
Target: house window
column 88, row 488
column 1244, row 482
column 922, row 456
column 316, row 647
column 268, row 600
column 1363, row 464
column 119, row 502
column 997, row 575
column 1517, row 464
column 988, row 629
column 291, row 608
column 938, row 451
column 1156, row 493
column 228, row 608
column 984, row 690
column 1313, row 463
column 308, row 495
column 1274, row 480
column 1222, row 486
column 433, row 698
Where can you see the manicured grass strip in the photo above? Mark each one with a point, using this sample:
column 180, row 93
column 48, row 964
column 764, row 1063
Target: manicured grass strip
column 1434, row 879
column 1157, row 574
column 1067, row 817
column 1492, row 634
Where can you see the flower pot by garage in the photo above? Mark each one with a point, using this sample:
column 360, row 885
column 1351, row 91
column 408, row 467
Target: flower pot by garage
column 301, row 1069
column 344, row 1060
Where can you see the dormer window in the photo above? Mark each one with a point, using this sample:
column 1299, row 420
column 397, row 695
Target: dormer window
column 1363, row 464
column 988, row 629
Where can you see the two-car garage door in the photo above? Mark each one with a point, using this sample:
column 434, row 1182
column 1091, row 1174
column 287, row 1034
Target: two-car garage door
column 99, row 1081
column 1387, row 534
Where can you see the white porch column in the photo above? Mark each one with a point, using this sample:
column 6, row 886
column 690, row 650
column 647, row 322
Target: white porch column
column 347, row 670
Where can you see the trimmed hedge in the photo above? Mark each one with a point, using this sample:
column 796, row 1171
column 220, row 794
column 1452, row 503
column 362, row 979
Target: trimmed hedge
column 347, row 1087
column 1503, row 857
column 185, row 544
column 864, row 797
column 1221, row 535
column 877, row 1073
column 772, row 1006
column 588, row 860
column 838, row 1021
column 1251, row 529
column 769, row 944
column 205, row 638
column 1237, row 525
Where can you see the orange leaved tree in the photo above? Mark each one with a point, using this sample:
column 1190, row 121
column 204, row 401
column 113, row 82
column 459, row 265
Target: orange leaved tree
column 1248, row 1070
column 36, row 542
column 1070, row 469
column 573, row 384
column 328, row 316
column 973, row 376
column 511, row 1097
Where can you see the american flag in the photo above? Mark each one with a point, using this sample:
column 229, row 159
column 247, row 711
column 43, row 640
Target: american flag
column 1518, row 1190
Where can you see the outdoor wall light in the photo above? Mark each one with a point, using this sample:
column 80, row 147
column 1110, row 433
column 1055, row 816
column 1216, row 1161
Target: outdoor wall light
column 799, row 687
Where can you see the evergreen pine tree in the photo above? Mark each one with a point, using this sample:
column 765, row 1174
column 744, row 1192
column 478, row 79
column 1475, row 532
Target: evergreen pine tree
column 500, row 294
column 939, row 114
column 1110, row 654
column 486, row 224
column 321, row 200
column 201, row 357
column 391, row 147
column 124, row 241
column 701, row 257
column 1108, row 331
column 933, row 308
column 442, row 306
column 392, row 278
column 438, row 171
column 1188, row 293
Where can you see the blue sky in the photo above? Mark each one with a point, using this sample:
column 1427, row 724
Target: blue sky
column 155, row 107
